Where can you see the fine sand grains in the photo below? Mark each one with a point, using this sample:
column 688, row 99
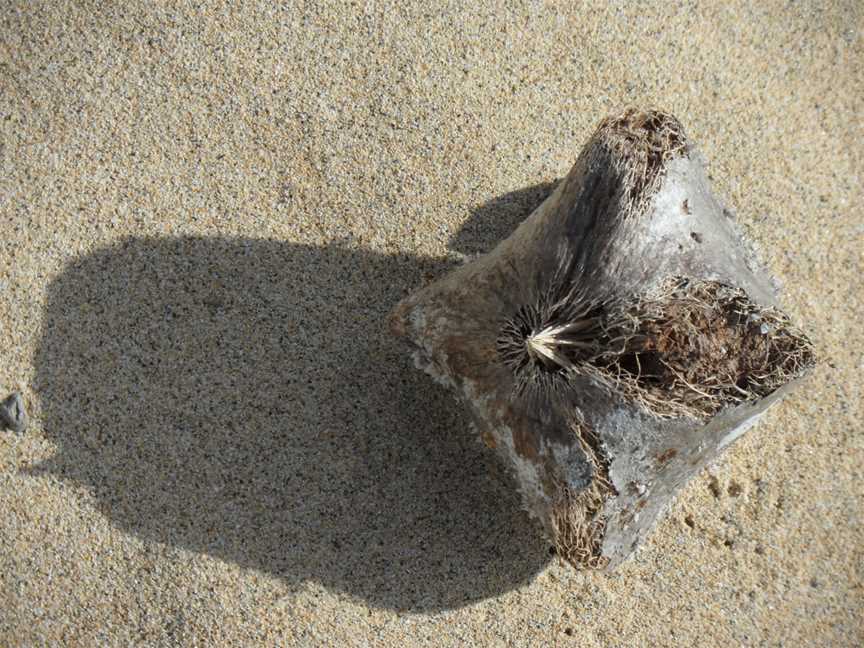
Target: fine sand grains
column 208, row 210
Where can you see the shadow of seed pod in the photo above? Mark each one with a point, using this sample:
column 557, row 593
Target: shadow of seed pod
column 615, row 343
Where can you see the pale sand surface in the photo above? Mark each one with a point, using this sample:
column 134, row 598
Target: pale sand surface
column 205, row 216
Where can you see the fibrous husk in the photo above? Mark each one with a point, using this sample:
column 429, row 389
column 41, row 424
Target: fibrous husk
column 616, row 342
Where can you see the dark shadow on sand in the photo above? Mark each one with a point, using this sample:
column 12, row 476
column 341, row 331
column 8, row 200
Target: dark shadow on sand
column 243, row 398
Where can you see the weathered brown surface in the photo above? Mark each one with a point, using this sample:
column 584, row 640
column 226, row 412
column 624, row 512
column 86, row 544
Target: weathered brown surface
column 616, row 342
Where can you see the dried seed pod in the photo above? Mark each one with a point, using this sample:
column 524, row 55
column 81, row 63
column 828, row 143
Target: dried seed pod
column 616, row 342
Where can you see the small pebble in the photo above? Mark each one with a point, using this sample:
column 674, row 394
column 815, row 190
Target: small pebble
column 13, row 416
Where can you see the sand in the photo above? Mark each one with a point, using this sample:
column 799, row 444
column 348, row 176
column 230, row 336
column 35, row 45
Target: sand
column 207, row 213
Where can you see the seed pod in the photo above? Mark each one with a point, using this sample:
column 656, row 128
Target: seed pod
column 615, row 343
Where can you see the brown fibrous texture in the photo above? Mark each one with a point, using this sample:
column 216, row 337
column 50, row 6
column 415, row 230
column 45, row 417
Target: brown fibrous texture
column 642, row 142
column 695, row 347
column 688, row 349
column 578, row 524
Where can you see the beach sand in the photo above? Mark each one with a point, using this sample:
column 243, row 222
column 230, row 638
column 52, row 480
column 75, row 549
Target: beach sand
column 206, row 215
